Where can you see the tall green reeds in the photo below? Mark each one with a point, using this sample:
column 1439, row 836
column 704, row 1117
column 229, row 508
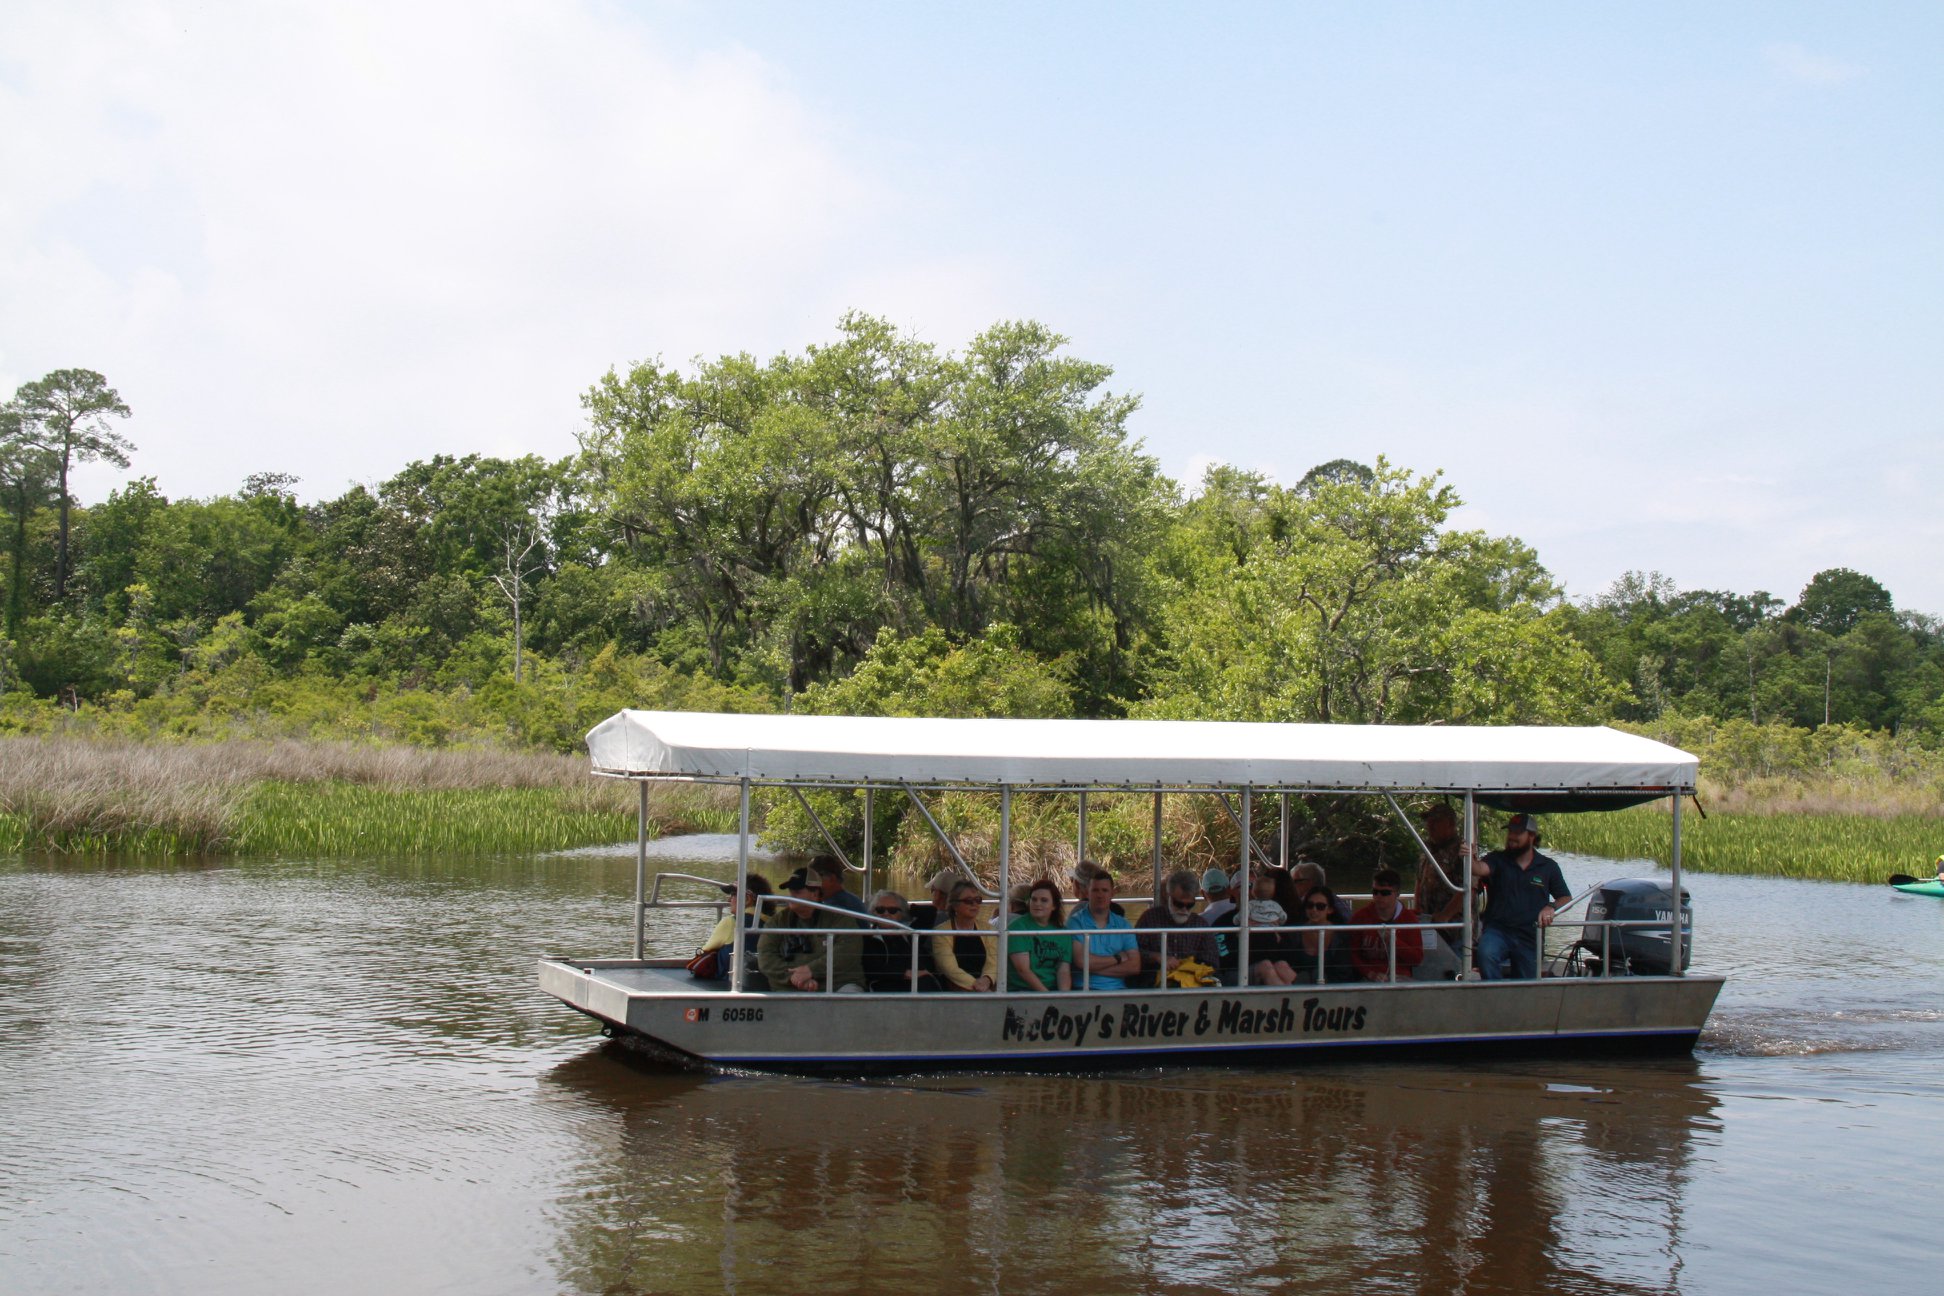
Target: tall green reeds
column 1834, row 847
column 362, row 819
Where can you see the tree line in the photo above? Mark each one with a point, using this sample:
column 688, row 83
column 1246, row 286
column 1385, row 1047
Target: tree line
column 872, row 524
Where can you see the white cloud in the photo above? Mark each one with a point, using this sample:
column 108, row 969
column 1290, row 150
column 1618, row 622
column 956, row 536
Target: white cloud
column 328, row 239
column 1798, row 64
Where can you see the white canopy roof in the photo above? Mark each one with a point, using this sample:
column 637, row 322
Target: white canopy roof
column 1132, row 753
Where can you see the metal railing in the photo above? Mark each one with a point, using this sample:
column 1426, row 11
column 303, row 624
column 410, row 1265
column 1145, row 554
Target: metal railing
column 830, row 946
column 1607, row 926
column 864, row 924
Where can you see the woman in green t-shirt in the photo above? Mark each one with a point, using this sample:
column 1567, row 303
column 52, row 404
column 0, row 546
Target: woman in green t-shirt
column 1041, row 961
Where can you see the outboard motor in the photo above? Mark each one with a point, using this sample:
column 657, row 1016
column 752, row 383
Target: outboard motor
column 1643, row 951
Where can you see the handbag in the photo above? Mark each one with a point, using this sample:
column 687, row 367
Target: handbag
column 706, row 966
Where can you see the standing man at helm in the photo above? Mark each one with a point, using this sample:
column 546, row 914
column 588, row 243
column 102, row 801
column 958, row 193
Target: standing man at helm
column 1522, row 891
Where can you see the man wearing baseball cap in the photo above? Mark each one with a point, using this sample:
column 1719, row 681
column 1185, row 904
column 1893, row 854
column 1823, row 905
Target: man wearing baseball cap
column 1522, row 890
column 792, row 952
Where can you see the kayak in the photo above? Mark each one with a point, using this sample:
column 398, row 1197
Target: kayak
column 1930, row 888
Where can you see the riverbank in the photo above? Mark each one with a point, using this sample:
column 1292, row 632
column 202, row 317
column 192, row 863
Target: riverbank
column 311, row 799
column 295, row 799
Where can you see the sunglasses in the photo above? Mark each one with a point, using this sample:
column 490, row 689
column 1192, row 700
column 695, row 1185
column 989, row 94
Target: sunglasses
column 1320, row 906
column 889, row 912
column 971, row 900
column 1377, row 891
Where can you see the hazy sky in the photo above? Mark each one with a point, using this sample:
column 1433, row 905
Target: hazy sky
column 1659, row 286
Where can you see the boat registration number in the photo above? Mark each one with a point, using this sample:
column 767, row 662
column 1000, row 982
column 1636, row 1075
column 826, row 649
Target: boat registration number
column 742, row 1014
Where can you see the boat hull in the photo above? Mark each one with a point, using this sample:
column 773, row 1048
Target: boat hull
column 855, row 1034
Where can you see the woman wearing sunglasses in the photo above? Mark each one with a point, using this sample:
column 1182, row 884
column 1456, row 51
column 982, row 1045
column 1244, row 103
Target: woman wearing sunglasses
column 965, row 951
column 887, row 953
column 1319, row 943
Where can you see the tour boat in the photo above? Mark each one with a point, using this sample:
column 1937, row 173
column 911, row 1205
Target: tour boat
column 1643, row 1000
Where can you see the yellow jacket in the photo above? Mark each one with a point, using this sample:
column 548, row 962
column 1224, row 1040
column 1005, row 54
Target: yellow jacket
column 945, row 958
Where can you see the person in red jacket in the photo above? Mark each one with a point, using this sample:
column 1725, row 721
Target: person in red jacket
column 1370, row 950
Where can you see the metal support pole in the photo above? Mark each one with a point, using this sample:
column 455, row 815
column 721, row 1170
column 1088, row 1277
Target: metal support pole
column 641, row 875
column 1471, row 887
column 1080, row 838
column 1248, row 891
column 742, row 889
column 1675, row 867
column 999, row 977
column 830, row 839
column 1157, row 847
column 870, row 822
column 1282, row 831
column 951, row 847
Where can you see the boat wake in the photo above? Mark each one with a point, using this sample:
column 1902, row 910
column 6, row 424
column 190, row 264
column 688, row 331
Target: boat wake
column 1797, row 1034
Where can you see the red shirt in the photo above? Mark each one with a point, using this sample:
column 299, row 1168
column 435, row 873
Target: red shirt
column 1370, row 950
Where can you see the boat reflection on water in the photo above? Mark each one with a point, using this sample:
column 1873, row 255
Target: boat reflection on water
column 1553, row 1177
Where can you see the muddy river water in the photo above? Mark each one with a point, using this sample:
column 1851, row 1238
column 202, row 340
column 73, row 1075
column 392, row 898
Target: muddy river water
column 340, row 1077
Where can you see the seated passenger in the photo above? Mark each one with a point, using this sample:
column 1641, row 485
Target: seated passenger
column 1188, row 935
column 965, row 952
column 1320, row 947
column 829, row 873
column 1015, row 905
column 1220, row 911
column 1308, row 875
column 793, row 958
column 724, row 934
column 941, row 899
column 1082, row 877
column 1216, row 889
column 1105, row 961
column 887, row 953
column 1289, row 893
column 1370, row 950
column 1040, row 960
column 1268, row 949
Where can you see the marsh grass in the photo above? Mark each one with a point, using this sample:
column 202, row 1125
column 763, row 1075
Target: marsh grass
column 1835, row 847
column 364, row 819
column 320, row 799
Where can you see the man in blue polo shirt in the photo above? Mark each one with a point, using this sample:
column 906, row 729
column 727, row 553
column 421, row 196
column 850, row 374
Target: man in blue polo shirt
column 1108, row 959
column 1522, row 890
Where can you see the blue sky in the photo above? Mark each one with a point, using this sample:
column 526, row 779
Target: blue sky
column 1657, row 286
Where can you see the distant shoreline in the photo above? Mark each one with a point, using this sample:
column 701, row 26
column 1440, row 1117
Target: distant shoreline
column 307, row 799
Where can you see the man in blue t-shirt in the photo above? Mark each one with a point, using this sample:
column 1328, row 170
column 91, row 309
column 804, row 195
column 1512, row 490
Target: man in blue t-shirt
column 1107, row 959
column 1522, row 890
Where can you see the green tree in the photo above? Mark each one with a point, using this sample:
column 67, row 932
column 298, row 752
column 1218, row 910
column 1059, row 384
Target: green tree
column 27, row 482
column 66, row 414
column 928, row 675
column 1835, row 600
column 791, row 509
column 1362, row 608
column 1337, row 472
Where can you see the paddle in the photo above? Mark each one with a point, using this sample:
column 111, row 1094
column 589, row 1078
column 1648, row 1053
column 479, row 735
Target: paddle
column 1903, row 879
